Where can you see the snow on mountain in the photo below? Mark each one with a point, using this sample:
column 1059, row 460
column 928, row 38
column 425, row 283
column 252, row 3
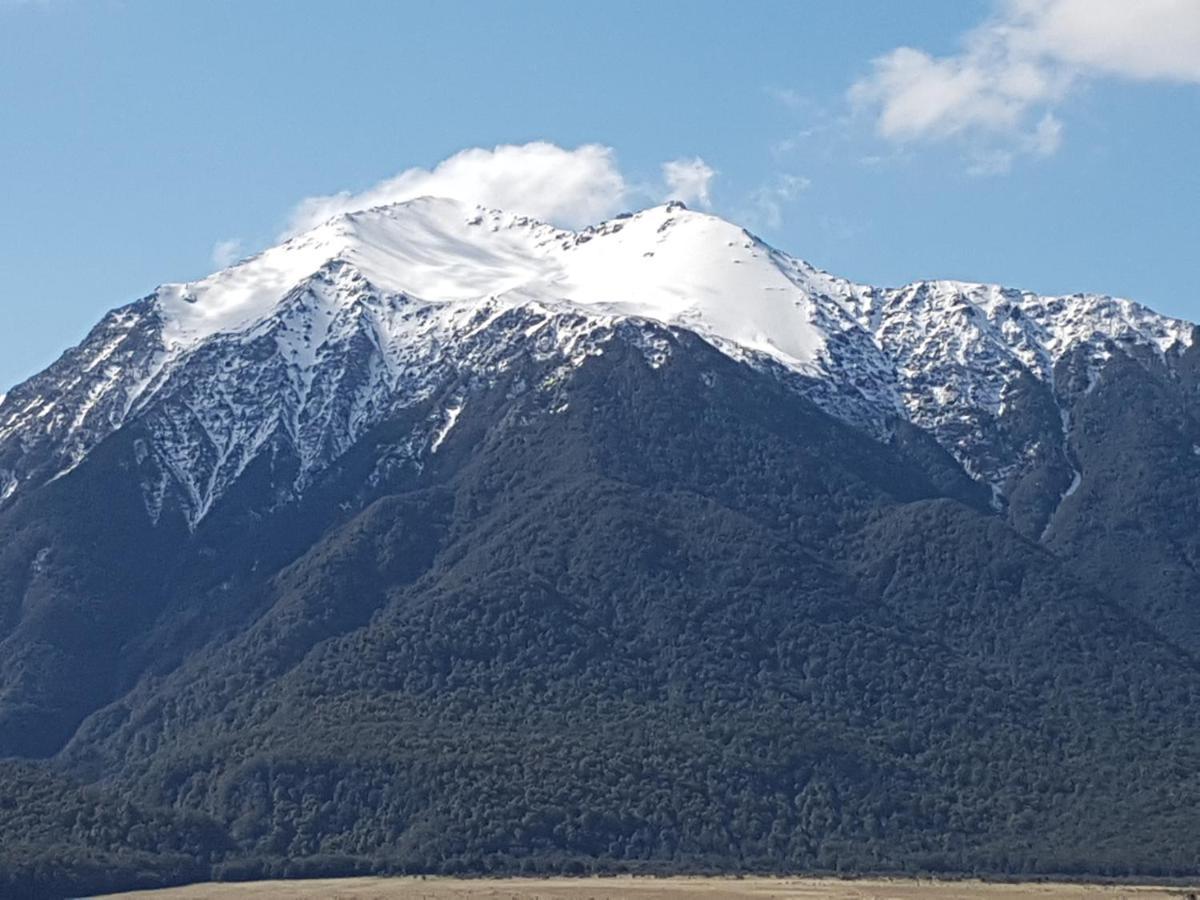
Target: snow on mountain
column 428, row 248
column 667, row 264
column 308, row 344
column 958, row 351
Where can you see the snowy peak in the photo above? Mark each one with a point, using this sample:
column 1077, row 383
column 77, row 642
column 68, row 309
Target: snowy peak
column 955, row 342
column 1028, row 323
column 309, row 343
column 428, row 248
column 696, row 271
column 667, row 264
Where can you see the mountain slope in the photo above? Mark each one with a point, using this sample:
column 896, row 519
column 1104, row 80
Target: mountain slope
column 437, row 539
column 743, row 624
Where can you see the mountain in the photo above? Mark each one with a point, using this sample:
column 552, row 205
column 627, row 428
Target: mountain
column 439, row 539
column 338, row 327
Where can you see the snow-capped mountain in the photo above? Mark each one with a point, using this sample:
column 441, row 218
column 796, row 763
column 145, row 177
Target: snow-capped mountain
column 366, row 549
column 307, row 345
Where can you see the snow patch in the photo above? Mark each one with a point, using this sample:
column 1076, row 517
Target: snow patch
column 451, row 417
column 1076, row 478
column 8, row 485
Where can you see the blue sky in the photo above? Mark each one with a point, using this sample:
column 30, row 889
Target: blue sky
column 1046, row 144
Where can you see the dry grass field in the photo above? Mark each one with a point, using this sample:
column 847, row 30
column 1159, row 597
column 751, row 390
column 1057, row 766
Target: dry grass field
column 654, row 889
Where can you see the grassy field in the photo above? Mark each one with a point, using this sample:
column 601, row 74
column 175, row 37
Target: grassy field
column 654, row 889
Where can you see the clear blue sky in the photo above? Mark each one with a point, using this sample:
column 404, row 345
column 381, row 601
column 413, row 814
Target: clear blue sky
column 135, row 135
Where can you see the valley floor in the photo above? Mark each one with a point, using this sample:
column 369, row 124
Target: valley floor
column 641, row 888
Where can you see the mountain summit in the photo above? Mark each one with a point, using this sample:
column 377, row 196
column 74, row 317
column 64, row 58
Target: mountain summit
column 437, row 539
column 352, row 317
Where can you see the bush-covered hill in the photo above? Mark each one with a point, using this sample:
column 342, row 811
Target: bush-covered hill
column 666, row 618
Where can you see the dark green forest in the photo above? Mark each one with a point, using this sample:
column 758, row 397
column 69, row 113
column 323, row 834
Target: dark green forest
column 683, row 623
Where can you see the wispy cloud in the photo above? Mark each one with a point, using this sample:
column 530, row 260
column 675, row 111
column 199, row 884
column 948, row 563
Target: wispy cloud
column 688, row 180
column 817, row 129
column 997, row 97
column 796, row 140
column 225, row 253
column 769, row 202
column 789, row 97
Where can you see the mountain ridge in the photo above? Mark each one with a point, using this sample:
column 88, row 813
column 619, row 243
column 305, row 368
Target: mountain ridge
column 417, row 277
column 369, row 582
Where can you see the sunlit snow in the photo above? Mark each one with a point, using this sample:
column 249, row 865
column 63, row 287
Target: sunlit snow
column 365, row 313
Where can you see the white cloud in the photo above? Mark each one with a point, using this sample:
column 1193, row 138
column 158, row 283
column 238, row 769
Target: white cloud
column 539, row 179
column 1140, row 39
column 226, row 253
column 1047, row 135
column 998, row 94
column 688, row 180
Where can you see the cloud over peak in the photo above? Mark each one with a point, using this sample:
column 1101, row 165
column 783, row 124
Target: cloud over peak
column 539, row 179
column 566, row 187
column 688, row 180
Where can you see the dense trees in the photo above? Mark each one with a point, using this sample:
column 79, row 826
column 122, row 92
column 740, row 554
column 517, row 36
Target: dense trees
column 683, row 622
column 63, row 838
